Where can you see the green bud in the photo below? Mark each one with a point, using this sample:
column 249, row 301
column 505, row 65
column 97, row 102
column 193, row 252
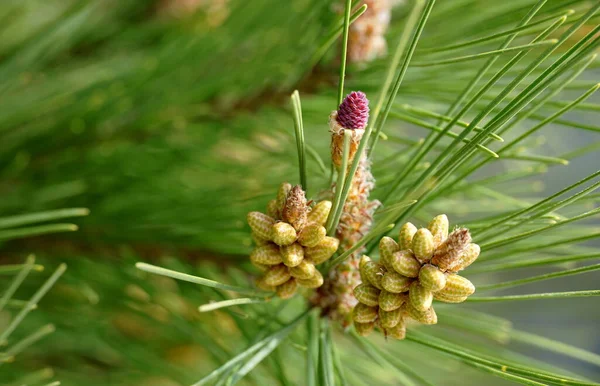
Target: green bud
column 367, row 294
column 283, row 234
column 363, row 313
column 405, row 264
column 423, row 245
column 405, row 238
column 394, row 282
column 432, row 278
column 420, row 297
column 260, row 224
column 292, row 255
column 389, row 301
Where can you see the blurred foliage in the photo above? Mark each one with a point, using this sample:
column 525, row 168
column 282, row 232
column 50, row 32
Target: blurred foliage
column 169, row 128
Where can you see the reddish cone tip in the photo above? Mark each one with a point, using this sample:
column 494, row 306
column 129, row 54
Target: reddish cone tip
column 354, row 111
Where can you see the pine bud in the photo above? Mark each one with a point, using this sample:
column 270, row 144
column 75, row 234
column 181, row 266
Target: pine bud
column 282, row 194
column 432, row 278
column 395, row 283
column 260, row 224
column 457, row 286
column 389, row 319
column 447, row 255
column 468, row 257
column 372, row 273
column 423, row 245
column 405, row 264
column 283, row 233
column 426, row 317
column 439, row 228
column 314, row 282
column 363, row 260
column 364, row 329
column 312, row 234
column 261, row 267
column 387, row 247
column 292, row 255
column 398, row 331
column 323, row 251
column 259, row 241
column 277, row 275
column 266, row 255
column 420, row 297
column 367, row 294
column 305, row 270
column 405, row 238
column 295, row 210
column 320, row 212
column 273, row 209
column 364, row 314
column 389, row 301
column 260, row 283
column 449, row 299
column 287, row 289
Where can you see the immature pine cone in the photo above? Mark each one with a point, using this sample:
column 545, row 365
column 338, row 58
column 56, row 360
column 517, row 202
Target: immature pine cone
column 353, row 115
column 291, row 240
column 412, row 273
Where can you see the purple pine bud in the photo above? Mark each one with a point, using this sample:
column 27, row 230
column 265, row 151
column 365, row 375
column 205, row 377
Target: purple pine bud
column 353, row 113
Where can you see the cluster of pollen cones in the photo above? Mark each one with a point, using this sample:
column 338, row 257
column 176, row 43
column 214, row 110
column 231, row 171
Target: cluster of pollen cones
column 290, row 242
column 411, row 273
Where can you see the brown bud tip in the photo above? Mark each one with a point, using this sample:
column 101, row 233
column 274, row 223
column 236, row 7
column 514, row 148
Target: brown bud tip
column 296, row 209
column 447, row 254
column 353, row 113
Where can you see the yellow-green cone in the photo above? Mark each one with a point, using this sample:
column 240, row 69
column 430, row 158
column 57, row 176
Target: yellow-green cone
column 389, row 301
column 260, row 224
column 282, row 193
column 292, row 255
column 364, row 329
column 323, row 251
column 259, row 241
column 457, row 286
column 314, row 282
column 439, row 228
column 283, row 234
column 273, row 210
column 423, row 245
column 305, row 270
column 266, row 255
column 287, row 289
column 320, row 212
column 432, row 278
column 387, row 247
column 364, row 314
column 449, row 299
column 389, row 319
column 405, row 264
column 468, row 257
column 262, row 267
column 420, row 297
column 398, row 331
column 426, row 317
column 260, row 283
column 277, row 275
column 367, row 294
column 405, row 238
column 312, row 235
column 394, row 282
column 372, row 273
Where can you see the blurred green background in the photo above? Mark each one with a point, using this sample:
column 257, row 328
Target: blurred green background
column 170, row 120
